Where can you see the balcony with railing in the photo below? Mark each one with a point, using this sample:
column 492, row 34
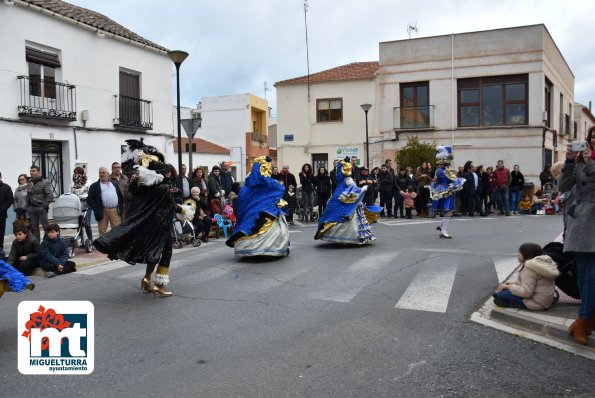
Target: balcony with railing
column 260, row 138
column 413, row 118
column 46, row 99
column 133, row 113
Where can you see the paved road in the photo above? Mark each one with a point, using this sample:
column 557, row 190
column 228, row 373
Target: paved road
column 387, row 320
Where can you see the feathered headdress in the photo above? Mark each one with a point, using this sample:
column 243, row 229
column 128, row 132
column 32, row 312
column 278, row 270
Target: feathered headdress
column 444, row 155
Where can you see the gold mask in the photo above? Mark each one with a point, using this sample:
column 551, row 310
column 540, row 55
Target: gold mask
column 266, row 168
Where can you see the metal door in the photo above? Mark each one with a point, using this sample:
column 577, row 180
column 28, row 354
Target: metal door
column 47, row 155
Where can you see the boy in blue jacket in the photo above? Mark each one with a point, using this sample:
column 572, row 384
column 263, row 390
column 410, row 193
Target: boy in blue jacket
column 54, row 253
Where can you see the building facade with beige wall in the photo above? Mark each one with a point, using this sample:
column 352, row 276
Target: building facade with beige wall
column 583, row 121
column 500, row 94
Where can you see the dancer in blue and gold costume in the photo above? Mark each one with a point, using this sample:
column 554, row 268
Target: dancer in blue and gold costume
column 261, row 228
column 12, row 280
column 345, row 218
column 443, row 189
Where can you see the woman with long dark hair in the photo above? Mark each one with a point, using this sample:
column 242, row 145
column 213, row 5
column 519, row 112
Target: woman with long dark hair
column 322, row 182
column 307, row 183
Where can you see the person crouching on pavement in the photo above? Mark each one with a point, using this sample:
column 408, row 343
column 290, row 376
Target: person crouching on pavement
column 54, row 253
column 535, row 287
column 25, row 250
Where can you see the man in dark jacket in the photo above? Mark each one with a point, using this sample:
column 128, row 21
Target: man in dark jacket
column 385, row 183
column 25, row 250
column 287, row 178
column 366, row 180
column 401, row 183
column 39, row 196
column 6, row 200
column 107, row 202
column 226, row 178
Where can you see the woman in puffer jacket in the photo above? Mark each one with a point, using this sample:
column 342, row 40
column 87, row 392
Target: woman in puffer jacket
column 535, row 286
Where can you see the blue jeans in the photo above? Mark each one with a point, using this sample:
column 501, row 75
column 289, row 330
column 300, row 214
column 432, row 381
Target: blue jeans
column 505, row 294
column 515, row 197
column 501, row 196
column 585, row 267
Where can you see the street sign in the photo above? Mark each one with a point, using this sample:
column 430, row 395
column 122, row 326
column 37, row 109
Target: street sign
column 191, row 125
column 288, row 137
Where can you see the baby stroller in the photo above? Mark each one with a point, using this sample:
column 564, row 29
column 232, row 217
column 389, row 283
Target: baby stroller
column 300, row 211
column 183, row 234
column 70, row 215
column 182, row 230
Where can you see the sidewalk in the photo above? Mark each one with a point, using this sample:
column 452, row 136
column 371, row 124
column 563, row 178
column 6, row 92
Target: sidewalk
column 81, row 258
column 548, row 327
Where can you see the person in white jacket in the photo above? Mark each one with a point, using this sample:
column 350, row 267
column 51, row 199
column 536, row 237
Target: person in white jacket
column 535, row 287
column 80, row 188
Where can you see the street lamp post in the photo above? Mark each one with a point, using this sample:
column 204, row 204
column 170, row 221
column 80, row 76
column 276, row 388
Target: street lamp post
column 177, row 57
column 366, row 108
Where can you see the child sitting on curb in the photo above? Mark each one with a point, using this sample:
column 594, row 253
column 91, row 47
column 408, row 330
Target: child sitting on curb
column 525, row 205
column 54, row 253
column 24, row 252
column 535, row 286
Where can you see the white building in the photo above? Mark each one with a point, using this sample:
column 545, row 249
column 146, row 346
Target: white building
column 74, row 86
column 583, row 121
column 238, row 123
column 500, row 94
column 319, row 117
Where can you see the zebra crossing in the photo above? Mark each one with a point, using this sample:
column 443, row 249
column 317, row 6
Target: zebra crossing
column 429, row 287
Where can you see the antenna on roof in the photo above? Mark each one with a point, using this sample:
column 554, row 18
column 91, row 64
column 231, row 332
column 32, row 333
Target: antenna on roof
column 307, row 54
column 412, row 27
column 266, row 88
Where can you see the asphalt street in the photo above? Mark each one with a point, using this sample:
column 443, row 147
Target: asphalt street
column 386, row 320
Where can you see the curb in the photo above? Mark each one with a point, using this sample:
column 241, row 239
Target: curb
column 533, row 329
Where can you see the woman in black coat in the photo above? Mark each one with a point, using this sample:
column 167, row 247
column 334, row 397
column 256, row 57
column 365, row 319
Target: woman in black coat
column 322, row 182
column 307, row 183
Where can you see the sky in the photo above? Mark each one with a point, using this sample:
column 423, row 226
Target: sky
column 236, row 46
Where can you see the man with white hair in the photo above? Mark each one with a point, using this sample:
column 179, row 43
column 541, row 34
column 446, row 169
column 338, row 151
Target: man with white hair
column 107, row 202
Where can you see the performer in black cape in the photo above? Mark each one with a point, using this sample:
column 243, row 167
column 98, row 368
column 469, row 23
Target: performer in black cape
column 145, row 234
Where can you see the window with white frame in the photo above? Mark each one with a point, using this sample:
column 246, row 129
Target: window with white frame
column 329, row 110
column 42, row 72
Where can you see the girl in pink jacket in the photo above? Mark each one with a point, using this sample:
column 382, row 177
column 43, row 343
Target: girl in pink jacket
column 408, row 201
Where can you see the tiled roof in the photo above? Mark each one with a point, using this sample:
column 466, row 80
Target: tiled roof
column 353, row 71
column 91, row 18
column 202, row 146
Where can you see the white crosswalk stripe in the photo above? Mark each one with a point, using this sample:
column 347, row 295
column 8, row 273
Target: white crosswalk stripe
column 430, row 288
column 348, row 283
column 103, row 268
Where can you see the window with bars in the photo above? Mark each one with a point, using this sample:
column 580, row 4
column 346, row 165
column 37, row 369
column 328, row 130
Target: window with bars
column 329, row 110
column 493, row 101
